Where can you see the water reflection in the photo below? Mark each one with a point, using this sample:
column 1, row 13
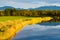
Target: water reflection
column 43, row 31
column 50, row 23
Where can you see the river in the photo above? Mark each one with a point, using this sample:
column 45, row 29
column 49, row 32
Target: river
column 42, row 31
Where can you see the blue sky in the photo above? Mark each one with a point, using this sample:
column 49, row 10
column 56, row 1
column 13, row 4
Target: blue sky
column 29, row 3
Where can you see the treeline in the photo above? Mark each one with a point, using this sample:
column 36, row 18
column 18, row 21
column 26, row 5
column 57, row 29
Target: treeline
column 36, row 13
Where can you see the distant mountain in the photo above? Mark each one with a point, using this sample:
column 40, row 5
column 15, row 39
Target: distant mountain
column 5, row 7
column 47, row 8
column 38, row 8
column 8, row 7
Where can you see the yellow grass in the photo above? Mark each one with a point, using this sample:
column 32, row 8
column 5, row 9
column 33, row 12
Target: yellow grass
column 12, row 27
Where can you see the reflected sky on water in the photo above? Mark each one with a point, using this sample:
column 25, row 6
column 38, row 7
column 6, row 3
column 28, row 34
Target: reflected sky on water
column 43, row 31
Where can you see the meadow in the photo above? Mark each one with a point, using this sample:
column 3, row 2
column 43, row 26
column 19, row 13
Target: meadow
column 5, row 18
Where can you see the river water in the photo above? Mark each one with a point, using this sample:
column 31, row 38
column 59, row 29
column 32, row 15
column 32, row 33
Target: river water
column 43, row 31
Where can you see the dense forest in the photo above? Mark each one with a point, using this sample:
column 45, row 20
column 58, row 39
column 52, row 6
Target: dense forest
column 33, row 13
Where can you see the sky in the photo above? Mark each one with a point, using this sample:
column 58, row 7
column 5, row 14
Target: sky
column 29, row 3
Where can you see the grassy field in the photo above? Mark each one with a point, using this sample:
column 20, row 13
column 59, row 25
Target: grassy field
column 5, row 18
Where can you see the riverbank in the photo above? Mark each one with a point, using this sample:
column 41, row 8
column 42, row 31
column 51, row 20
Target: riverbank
column 9, row 28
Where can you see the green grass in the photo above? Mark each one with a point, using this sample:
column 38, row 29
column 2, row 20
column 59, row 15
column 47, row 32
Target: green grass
column 5, row 18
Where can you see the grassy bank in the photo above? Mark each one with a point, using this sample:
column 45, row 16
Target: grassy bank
column 5, row 18
column 10, row 28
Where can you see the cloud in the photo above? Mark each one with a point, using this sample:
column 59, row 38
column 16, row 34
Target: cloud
column 29, row 3
column 20, row 4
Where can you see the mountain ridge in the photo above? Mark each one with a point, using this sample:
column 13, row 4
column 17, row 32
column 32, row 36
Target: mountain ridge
column 38, row 8
column 48, row 8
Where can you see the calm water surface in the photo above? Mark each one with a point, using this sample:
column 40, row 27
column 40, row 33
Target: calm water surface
column 43, row 31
